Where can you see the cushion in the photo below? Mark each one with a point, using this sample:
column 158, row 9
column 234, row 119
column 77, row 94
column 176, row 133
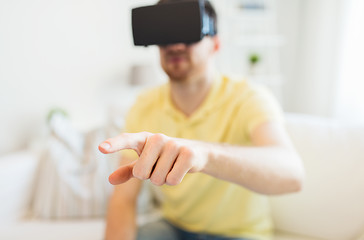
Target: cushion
column 17, row 172
column 331, row 205
column 72, row 179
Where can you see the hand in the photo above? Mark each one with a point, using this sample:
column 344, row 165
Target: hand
column 162, row 159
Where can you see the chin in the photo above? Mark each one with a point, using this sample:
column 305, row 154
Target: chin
column 177, row 78
column 177, row 74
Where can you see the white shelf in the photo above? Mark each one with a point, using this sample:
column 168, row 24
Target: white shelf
column 259, row 41
column 249, row 30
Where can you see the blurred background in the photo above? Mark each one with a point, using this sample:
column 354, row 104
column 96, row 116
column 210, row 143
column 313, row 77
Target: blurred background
column 78, row 55
column 69, row 72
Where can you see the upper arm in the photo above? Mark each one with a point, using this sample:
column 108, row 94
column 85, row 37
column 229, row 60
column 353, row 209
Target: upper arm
column 270, row 133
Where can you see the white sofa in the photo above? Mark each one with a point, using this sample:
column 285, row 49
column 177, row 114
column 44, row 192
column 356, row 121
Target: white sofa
column 331, row 206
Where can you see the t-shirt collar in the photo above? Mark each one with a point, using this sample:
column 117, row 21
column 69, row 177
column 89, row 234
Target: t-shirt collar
column 201, row 112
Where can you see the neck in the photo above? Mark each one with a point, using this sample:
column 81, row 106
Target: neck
column 188, row 95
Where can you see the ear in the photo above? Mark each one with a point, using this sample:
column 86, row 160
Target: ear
column 216, row 43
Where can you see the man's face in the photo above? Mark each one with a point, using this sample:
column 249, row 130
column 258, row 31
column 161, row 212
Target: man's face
column 181, row 61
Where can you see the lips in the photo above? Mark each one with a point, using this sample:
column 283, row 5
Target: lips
column 176, row 59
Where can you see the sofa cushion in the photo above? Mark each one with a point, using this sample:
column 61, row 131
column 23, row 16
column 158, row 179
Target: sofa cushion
column 17, row 172
column 331, row 205
column 72, row 174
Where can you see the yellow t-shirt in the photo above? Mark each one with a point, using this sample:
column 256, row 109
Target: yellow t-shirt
column 201, row 203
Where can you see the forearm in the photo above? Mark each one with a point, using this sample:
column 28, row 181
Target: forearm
column 120, row 220
column 263, row 169
column 269, row 166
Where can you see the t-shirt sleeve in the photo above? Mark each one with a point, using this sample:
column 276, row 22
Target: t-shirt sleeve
column 259, row 106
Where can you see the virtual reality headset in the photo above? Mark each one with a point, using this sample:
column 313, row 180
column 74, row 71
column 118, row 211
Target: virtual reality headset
column 172, row 22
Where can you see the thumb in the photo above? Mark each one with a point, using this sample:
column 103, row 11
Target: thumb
column 122, row 174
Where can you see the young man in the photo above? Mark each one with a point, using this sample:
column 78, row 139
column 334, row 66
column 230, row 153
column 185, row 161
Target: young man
column 215, row 147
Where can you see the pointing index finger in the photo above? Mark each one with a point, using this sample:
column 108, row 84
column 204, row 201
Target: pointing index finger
column 133, row 141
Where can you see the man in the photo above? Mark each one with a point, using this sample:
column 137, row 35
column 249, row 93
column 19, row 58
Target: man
column 215, row 147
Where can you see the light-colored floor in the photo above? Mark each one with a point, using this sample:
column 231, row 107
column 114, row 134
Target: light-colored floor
column 76, row 230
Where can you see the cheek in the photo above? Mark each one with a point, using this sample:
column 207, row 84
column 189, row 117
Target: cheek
column 199, row 57
column 162, row 58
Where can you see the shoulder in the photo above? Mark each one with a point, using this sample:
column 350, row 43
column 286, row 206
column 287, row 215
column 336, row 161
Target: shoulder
column 242, row 90
column 254, row 103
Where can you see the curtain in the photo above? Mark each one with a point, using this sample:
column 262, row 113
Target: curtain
column 349, row 100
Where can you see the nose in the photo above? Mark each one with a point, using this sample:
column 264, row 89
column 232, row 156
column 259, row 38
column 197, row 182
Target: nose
column 175, row 47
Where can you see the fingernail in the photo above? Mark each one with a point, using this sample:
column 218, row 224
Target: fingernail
column 105, row 145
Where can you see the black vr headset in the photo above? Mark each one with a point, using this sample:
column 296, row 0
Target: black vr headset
column 172, row 22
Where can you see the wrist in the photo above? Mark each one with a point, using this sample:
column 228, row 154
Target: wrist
column 209, row 154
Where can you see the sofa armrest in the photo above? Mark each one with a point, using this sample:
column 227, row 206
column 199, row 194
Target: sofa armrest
column 331, row 203
column 17, row 173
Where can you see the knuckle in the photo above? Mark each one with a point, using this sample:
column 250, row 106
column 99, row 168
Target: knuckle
column 170, row 146
column 186, row 156
column 157, row 180
column 144, row 135
column 173, row 180
column 140, row 173
column 186, row 152
column 157, row 138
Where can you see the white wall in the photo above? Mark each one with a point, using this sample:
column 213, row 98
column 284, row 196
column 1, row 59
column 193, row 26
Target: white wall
column 288, row 17
column 65, row 53
column 76, row 54
column 349, row 90
column 310, row 58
